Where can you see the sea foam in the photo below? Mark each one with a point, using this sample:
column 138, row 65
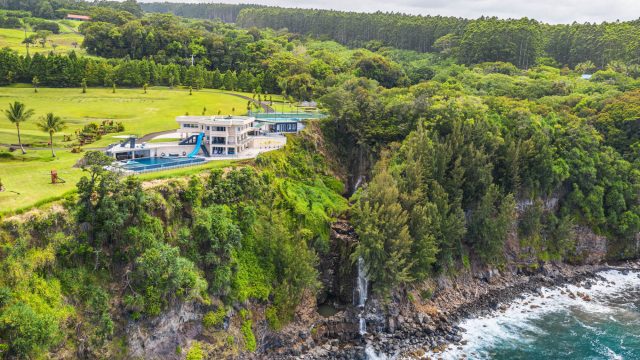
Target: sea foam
column 515, row 325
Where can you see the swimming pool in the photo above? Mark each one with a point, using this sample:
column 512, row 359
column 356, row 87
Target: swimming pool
column 159, row 163
column 278, row 116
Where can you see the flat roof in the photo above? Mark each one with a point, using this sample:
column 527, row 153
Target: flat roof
column 217, row 119
column 81, row 17
column 120, row 148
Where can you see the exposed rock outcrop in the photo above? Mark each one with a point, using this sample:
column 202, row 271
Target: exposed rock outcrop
column 337, row 272
column 159, row 337
column 590, row 247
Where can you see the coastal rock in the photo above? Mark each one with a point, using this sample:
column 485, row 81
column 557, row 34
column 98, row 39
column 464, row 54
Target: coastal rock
column 591, row 247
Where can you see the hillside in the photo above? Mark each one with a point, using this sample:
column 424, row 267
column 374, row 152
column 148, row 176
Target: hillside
column 450, row 167
column 67, row 40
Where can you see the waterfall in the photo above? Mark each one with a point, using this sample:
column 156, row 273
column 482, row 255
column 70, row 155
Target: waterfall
column 358, row 182
column 363, row 325
column 370, row 354
column 362, row 284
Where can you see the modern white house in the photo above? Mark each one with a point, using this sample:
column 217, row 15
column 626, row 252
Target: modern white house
column 201, row 139
column 223, row 135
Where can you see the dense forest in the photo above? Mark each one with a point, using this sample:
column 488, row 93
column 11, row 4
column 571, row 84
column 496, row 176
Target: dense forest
column 519, row 41
column 158, row 50
column 225, row 12
column 522, row 42
column 246, row 234
column 58, row 9
column 468, row 166
column 494, row 139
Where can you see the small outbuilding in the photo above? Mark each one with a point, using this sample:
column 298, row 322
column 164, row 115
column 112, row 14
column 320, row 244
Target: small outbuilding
column 78, row 17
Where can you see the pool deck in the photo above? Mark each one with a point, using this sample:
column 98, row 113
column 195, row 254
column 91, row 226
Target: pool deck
column 262, row 144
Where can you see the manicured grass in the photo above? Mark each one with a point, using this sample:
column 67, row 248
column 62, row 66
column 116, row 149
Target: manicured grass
column 27, row 178
column 140, row 113
column 12, row 38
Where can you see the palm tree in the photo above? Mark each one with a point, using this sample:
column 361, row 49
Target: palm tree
column 28, row 41
column 51, row 124
column 17, row 113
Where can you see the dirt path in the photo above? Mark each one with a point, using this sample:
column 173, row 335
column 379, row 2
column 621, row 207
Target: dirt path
column 264, row 107
column 71, row 29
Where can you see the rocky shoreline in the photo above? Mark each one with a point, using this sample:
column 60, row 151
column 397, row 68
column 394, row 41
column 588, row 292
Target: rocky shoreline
column 410, row 329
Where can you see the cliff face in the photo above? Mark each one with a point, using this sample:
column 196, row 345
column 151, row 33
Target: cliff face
column 590, row 247
column 160, row 337
column 427, row 311
column 337, row 272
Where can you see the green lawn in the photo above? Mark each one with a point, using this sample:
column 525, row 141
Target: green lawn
column 12, row 38
column 140, row 113
column 27, row 178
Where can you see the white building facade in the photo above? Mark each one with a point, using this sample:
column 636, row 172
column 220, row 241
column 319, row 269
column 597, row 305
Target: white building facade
column 223, row 135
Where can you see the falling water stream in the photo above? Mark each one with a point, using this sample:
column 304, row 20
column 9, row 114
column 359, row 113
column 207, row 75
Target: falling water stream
column 360, row 302
column 361, row 288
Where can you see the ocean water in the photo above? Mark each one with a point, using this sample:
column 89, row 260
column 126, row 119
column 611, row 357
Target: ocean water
column 556, row 326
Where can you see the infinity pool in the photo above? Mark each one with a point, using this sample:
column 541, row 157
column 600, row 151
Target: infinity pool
column 159, row 163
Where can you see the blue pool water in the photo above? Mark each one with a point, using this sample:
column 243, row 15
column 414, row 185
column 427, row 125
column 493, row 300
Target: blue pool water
column 159, row 163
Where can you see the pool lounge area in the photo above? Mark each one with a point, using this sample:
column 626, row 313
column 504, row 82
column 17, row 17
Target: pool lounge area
column 143, row 165
column 284, row 122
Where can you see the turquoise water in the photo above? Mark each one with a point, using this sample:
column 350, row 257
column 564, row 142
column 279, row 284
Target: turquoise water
column 558, row 326
column 157, row 163
column 578, row 334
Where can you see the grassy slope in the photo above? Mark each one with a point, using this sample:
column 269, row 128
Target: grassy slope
column 12, row 38
column 27, row 178
column 141, row 113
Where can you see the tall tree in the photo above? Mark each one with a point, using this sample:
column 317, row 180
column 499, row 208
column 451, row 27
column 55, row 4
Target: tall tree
column 51, row 124
column 28, row 41
column 381, row 225
column 16, row 114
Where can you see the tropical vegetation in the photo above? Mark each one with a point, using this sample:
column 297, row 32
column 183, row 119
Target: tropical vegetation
column 450, row 144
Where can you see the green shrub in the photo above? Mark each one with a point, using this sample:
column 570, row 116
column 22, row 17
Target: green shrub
column 271, row 313
column 466, row 262
column 213, row 319
column 47, row 25
column 426, row 294
column 247, row 332
column 195, row 352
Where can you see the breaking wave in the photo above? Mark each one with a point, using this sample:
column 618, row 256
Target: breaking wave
column 598, row 320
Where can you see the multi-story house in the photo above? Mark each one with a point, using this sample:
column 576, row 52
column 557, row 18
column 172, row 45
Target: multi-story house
column 223, row 135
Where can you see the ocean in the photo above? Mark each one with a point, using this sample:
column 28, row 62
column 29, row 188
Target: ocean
column 560, row 324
